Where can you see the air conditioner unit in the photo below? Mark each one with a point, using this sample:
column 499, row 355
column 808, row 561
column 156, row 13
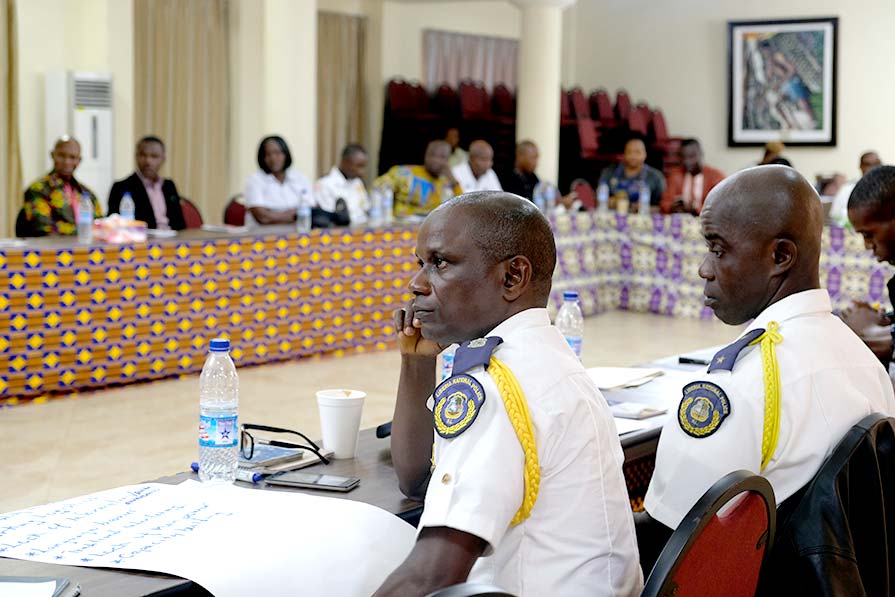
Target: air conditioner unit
column 80, row 104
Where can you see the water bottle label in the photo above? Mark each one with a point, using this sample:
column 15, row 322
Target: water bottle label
column 575, row 345
column 217, row 432
column 447, row 365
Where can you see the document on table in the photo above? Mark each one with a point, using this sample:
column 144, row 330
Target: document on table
column 624, row 426
column 230, row 540
column 613, row 378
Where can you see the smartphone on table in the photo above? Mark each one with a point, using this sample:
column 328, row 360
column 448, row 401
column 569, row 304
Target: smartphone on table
column 306, row 480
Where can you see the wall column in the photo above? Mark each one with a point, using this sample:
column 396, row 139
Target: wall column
column 540, row 62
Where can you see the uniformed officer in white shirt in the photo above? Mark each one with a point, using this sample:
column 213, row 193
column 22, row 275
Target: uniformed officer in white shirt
column 778, row 400
column 346, row 182
column 475, row 174
column 273, row 194
column 523, row 485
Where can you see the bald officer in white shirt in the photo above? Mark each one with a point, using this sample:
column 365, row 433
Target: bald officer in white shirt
column 523, row 485
column 475, row 174
column 346, row 182
column 763, row 230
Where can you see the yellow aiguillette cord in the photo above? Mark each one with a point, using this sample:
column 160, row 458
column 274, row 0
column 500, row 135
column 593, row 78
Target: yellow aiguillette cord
column 771, row 430
column 520, row 418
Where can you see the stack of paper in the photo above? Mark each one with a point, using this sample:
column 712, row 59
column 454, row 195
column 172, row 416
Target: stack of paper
column 614, row 378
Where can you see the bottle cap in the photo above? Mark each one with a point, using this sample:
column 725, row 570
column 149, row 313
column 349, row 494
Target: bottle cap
column 570, row 295
column 219, row 345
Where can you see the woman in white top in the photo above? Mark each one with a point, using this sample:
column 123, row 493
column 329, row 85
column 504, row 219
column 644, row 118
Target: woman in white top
column 273, row 195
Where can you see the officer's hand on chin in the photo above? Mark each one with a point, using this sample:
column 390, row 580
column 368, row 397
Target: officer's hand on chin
column 410, row 335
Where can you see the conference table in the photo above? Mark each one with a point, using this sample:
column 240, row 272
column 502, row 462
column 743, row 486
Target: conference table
column 80, row 317
column 378, row 486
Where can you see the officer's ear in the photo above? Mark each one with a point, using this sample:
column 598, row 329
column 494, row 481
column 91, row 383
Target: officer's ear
column 516, row 277
column 785, row 254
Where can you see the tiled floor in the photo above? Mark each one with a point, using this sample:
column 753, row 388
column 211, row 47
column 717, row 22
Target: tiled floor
column 126, row 435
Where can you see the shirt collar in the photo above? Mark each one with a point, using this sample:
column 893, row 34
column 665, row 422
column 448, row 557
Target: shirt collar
column 801, row 303
column 337, row 174
column 530, row 318
column 148, row 183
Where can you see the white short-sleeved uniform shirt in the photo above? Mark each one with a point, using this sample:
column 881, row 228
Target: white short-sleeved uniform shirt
column 469, row 183
column 579, row 539
column 334, row 186
column 264, row 190
column 829, row 381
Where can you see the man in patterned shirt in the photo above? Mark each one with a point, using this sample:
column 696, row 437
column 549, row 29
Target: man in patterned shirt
column 52, row 201
column 420, row 189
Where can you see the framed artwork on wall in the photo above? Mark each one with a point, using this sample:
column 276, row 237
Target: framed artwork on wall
column 782, row 82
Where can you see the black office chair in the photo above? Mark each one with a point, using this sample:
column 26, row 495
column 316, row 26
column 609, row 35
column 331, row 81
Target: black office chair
column 839, row 535
column 470, row 589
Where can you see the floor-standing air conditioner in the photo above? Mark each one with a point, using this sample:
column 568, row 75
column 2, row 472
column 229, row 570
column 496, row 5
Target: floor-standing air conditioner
column 80, row 104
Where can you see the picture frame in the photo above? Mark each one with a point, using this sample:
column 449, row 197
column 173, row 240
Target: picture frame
column 782, row 82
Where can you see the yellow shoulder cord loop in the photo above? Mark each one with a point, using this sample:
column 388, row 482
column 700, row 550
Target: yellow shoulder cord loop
column 520, row 418
column 771, row 430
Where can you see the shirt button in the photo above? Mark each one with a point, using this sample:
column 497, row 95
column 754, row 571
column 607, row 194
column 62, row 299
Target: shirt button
column 446, row 479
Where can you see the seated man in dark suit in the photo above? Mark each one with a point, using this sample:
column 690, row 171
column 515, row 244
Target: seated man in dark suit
column 156, row 201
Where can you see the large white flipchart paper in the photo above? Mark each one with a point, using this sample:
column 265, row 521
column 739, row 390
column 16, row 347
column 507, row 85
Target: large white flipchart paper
column 230, row 540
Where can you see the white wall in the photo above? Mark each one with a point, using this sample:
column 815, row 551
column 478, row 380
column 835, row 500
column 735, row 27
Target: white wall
column 673, row 54
column 92, row 35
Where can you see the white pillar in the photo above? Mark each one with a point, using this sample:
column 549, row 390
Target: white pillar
column 290, row 78
column 540, row 60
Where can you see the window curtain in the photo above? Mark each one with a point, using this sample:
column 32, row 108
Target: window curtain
column 181, row 93
column 451, row 57
column 10, row 160
column 341, row 99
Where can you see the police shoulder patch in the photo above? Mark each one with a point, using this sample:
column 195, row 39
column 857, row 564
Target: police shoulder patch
column 458, row 401
column 703, row 408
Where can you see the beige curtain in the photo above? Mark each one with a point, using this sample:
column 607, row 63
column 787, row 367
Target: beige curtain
column 10, row 161
column 341, row 100
column 181, row 93
column 451, row 57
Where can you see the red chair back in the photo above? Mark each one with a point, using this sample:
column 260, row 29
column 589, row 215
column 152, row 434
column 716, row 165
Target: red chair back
column 446, row 102
column 712, row 554
column 235, row 212
column 660, row 129
column 579, row 103
column 565, row 107
column 504, row 103
column 622, row 105
column 587, row 137
column 585, row 194
column 638, row 123
column 474, row 100
column 400, row 96
column 420, row 97
column 601, row 107
column 191, row 215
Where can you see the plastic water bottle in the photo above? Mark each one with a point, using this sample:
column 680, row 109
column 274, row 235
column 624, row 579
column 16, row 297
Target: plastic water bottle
column 570, row 321
column 603, row 197
column 218, row 404
column 388, row 205
column 302, row 220
column 643, row 201
column 85, row 220
column 377, row 199
column 447, row 361
column 550, row 193
column 539, row 199
column 126, row 208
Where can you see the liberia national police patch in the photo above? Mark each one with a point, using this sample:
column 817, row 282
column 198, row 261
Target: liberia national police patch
column 458, row 401
column 703, row 408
